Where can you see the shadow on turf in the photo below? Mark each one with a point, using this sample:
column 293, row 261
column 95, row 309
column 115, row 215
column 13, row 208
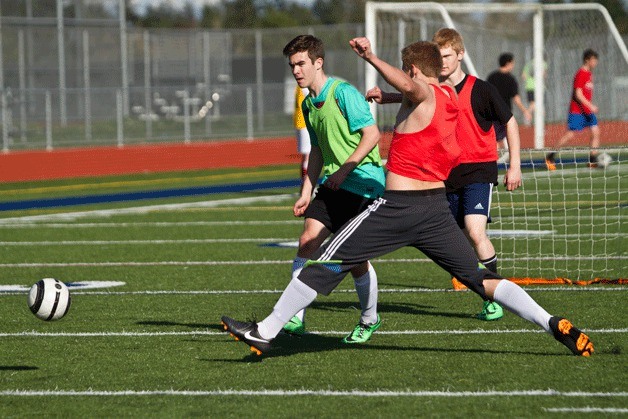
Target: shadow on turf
column 288, row 345
column 403, row 308
column 190, row 325
column 17, row 368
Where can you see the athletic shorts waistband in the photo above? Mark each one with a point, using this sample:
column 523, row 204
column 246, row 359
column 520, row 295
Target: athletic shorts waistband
column 423, row 192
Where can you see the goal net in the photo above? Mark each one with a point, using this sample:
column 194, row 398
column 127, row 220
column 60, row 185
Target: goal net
column 561, row 224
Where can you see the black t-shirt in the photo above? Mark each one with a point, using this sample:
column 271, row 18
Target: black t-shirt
column 506, row 85
column 488, row 108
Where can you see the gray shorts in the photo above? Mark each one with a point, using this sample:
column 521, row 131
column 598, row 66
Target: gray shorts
column 420, row 219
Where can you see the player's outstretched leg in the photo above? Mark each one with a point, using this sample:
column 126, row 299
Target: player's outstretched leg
column 247, row 333
column 571, row 337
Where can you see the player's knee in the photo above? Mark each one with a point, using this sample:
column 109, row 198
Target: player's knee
column 308, row 243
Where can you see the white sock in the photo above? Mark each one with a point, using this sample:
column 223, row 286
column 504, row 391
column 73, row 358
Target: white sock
column 297, row 267
column 515, row 299
column 295, row 297
column 366, row 287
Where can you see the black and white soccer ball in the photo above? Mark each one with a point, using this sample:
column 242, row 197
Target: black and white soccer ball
column 49, row 299
column 604, row 160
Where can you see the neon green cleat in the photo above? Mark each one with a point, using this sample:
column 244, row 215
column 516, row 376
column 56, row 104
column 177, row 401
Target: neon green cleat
column 362, row 332
column 490, row 311
column 295, row 326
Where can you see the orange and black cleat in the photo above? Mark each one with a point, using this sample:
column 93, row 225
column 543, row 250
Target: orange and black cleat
column 550, row 161
column 247, row 333
column 457, row 284
column 571, row 337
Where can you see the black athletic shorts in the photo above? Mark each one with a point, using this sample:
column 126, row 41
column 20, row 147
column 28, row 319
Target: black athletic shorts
column 530, row 94
column 334, row 208
column 420, row 219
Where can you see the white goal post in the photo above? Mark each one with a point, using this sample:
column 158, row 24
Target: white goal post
column 559, row 31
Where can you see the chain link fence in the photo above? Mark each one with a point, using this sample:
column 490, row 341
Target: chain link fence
column 90, row 80
column 82, row 82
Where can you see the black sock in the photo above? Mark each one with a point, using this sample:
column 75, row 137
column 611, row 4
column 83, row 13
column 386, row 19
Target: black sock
column 490, row 263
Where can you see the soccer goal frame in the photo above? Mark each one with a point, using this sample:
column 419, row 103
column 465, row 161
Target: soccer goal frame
column 446, row 10
column 566, row 225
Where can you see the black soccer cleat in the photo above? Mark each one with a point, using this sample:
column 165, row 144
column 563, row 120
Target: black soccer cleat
column 247, row 333
column 571, row 337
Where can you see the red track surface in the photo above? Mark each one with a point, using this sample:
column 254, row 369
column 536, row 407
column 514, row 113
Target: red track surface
column 20, row 166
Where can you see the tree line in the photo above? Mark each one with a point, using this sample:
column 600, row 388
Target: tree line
column 242, row 14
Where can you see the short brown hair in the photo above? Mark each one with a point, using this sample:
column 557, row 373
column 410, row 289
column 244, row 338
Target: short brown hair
column 425, row 56
column 588, row 54
column 305, row 43
column 449, row 37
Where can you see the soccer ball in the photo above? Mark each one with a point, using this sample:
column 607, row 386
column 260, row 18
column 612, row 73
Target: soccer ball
column 49, row 299
column 604, row 160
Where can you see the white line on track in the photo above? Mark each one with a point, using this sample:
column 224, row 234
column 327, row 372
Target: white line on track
column 34, row 333
column 305, row 392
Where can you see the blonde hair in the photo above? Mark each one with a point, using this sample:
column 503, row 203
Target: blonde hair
column 446, row 37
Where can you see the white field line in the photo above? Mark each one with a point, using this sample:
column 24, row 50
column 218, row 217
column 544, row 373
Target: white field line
column 253, row 240
column 261, row 262
column 20, row 224
column 587, row 409
column 125, row 242
column 26, row 223
column 306, row 392
column 563, row 288
column 34, row 333
column 70, row 216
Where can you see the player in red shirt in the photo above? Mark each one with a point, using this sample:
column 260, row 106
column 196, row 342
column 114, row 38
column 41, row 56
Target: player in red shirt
column 470, row 184
column 413, row 211
column 582, row 110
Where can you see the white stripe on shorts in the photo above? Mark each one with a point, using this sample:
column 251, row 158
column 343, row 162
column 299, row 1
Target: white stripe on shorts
column 346, row 232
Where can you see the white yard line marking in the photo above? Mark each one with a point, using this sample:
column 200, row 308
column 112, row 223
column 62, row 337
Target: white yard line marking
column 70, row 216
column 112, row 242
column 587, row 409
column 286, row 241
column 21, row 224
column 257, row 262
column 563, row 288
column 33, row 333
column 306, row 392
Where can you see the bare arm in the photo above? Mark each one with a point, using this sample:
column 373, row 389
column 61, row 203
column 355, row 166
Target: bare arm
column 415, row 91
column 583, row 100
column 315, row 165
column 379, row 96
column 526, row 113
column 512, row 179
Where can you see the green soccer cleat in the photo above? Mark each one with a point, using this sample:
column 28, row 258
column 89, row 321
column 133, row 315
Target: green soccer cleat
column 490, row 311
column 362, row 332
column 295, row 326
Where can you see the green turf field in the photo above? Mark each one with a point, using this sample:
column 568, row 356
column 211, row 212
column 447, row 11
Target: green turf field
column 148, row 342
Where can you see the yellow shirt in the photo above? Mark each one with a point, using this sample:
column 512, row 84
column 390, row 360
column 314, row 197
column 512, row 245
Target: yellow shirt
column 299, row 119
